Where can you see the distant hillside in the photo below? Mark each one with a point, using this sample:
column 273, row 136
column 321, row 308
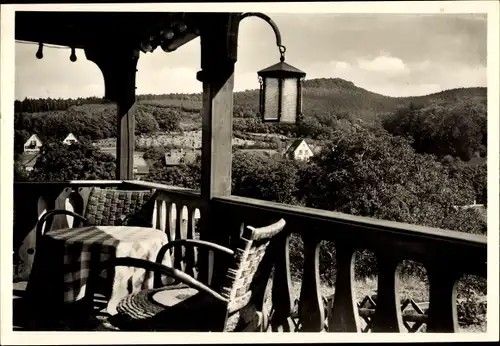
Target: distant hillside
column 325, row 99
column 320, row 95
column 326, row 95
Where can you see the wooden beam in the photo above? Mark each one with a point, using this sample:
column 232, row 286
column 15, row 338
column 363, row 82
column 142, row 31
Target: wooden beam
column 125, row 142
column 119, row 67
column 217, row 75
column 217, row 133
column 78, row 29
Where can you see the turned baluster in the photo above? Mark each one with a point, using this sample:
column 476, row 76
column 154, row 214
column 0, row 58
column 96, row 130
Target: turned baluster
column 191, row 252
column 442, row 298
column 170, row 221
column 163, row 216
column 155, row 216
column 179, row 234
column 282, row 294
column 344, row 316
column 311, row 310
column 388, row 318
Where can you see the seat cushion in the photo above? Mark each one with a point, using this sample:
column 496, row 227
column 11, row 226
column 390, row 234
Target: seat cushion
column 148, row 303
column 177, row 308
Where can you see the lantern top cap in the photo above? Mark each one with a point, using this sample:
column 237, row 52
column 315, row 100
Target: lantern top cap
column 281, row 69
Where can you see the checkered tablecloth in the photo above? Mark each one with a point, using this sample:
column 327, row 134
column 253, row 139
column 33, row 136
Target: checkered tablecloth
column 85, row 248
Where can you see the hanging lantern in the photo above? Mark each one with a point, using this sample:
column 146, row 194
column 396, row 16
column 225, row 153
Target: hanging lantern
column 281, row 92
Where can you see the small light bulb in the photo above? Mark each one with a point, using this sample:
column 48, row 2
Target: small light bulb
column 168, row 34
column 181, row 27
column 146, row 47
column 39, row 52
column 72, row 57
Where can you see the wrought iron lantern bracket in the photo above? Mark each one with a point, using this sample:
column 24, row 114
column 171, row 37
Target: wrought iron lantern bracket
column 280, row 84
column 282, row 48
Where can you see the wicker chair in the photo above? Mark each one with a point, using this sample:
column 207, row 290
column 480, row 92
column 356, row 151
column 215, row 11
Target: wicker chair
column 105, row 207
column 234, row 303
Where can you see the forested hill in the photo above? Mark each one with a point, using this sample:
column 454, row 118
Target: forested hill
column 330, row 96
column 335, row 94
column 328, row 103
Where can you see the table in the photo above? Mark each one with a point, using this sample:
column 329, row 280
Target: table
column 70, row 257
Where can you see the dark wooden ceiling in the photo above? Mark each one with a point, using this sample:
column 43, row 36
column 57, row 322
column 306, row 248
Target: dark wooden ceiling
column 80, row 29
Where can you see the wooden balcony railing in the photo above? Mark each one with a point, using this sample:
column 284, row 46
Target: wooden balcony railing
column 175, row 213
column 446, row 255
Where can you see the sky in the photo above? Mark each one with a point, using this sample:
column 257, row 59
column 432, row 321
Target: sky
column 390, row 54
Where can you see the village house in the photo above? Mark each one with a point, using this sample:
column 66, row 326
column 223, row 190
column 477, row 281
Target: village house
column 33, row 144
column 32, row 150
column 299, row 150
column 70, row 139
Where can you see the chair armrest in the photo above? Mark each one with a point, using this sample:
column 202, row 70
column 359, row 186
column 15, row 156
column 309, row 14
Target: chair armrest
column 172, row 272
column 192, row 242
column 50, row 213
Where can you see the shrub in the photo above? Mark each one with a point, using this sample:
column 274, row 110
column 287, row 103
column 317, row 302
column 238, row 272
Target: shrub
column 471, row 311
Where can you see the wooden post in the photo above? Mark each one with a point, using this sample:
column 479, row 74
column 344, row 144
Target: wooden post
column 125, row 142
column 217, row 62
column 119, row 66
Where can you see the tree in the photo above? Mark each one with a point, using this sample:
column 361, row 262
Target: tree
column 20, row 137
column 155, row 156
column 60, row 162
column 458, row 130
column 145, row 123
column 183, row 175
column 381, row 176
column 259, row 176
column 20, row 173
column 168, row 119
column 475, row 175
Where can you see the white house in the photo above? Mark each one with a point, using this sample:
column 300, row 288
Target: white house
column 71, row 139
column 299, row 150
column 33, row 144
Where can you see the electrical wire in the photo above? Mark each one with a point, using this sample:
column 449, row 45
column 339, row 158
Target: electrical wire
column 44, row 44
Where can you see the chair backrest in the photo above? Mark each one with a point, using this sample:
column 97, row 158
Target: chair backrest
column 107, row 207
column 250, row 249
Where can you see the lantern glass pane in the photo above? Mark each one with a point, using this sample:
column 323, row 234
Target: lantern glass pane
column 271, row 99
column 289, row 101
